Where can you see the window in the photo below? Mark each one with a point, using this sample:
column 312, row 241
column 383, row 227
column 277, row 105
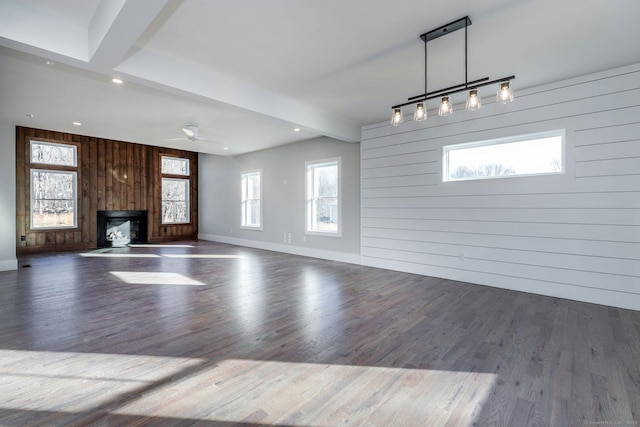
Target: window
column 524, row 155
column 251, row 200
column 49, row 153
column 323, row 197
column 175, row 190
column 54, row 195
column 175, row 166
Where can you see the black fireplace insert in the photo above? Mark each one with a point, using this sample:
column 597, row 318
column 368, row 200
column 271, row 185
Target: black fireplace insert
column 119, row 228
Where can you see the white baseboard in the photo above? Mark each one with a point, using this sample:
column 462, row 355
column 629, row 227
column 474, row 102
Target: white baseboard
column 8, row 264
column 289, row 249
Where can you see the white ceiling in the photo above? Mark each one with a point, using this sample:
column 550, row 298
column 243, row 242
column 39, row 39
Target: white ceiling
column 248, row 72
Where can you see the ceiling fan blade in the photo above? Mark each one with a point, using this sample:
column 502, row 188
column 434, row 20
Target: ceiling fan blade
column 208, row 140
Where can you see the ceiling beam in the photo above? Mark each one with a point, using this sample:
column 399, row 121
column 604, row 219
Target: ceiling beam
column 198, row 82
column 115, row 28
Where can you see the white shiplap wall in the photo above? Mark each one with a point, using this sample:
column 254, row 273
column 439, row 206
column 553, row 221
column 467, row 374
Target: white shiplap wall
column 575, row 235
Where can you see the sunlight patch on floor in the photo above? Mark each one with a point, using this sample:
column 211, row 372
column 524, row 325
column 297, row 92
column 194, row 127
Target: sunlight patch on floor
column 155, row 278
column 298, row 393
column 201, row 256
column 105, row 255
column 74, row 382
column 150, row 245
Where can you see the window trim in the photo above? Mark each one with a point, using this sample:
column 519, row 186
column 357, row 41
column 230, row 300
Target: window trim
column 187, row 174
column 187, row 180
column 176, row 177
column 244, row 174
column 50, row 167
column 55, row 165
column 307, row 211
column 505, row 140
column 74, row 199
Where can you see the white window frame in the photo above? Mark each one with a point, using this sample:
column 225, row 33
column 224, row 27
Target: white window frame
column 71, row 146
column 74, row 198
column 187, row 173
column 243, row 202
column 187, row 182
column 512, row 139
column 310, row 165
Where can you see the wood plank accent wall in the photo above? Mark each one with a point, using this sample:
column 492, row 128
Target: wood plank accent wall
column 112, row 175
column 575, row 235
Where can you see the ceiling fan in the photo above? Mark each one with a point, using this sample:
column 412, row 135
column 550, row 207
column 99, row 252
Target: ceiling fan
column 192, row 133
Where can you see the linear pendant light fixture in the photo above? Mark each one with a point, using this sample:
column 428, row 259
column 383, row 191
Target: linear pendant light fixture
column 503, row 96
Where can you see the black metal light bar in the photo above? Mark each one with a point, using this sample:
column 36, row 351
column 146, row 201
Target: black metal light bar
column 445, row 92
column 447, row 89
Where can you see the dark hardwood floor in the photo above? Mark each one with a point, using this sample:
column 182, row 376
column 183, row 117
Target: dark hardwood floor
column 208, row 334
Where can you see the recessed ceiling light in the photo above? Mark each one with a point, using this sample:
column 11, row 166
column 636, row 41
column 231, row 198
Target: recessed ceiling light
column 117, row 81
column 226, row 148
column 77, row 124
column 48, row 62
column 296, row 130
column 29, row 115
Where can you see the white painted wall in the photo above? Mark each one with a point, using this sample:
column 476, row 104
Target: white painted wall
column 8, row 260
column 574, row 236
column 283, row 192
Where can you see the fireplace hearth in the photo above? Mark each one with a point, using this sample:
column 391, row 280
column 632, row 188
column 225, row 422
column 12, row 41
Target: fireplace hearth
column 119, row 228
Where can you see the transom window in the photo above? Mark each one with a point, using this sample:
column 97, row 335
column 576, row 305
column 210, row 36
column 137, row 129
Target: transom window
column 175, row 190
column 175, row 166
column 50, row 153
column 54, row 183
column 323, row 197
column 251, row 200
column 524, row 155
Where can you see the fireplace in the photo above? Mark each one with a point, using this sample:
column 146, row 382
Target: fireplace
column 119, row 228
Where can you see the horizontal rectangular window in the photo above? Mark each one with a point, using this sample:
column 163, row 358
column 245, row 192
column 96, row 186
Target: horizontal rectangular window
column 49, row 153
column 524, row 155
column 53, row 199
column 175, row 166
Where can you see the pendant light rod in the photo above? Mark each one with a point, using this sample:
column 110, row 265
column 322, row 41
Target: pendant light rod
column 425, row 68
column 462, row 87
column 467, row 22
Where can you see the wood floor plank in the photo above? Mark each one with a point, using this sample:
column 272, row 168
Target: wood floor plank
column 209, row 334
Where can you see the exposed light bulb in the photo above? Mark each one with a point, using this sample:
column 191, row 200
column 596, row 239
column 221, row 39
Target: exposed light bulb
column 505, row 93
column 473, row 101
column 446, row 109
column 396, row 117
column 420, row 113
